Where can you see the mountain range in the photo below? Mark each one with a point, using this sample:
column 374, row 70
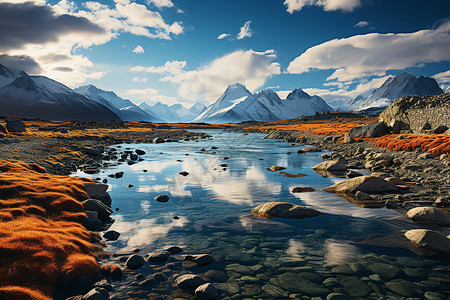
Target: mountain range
column 41, row 97
column 395, row 87
column 38, row 96
column 238, row 104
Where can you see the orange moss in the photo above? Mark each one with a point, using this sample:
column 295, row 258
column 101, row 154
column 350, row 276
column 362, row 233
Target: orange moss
column 41, row 238
column 20, row 293
column 323, row 127
column 437, row 143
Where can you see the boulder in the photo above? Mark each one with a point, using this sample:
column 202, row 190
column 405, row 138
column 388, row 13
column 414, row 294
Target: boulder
column 139, row 152
column 302, row 189
column 162, row 198
column 352, row 174
column 275, row 168
column 158, row 140
column 428, row 215
column 92, row 222
column 158, row 256
column 369, row 130
column 366, row 184
column 206, row 291
column 200, row 259
column 102, row 210
column 174, row 250
column 96, row 294
column 429, row 239
column 189, row 281
column 111, row 235
column 94, row 189
column 331, row 166
column 14, row 125
column 442, row 202
column 285, row 210
column 135, row 261
column 3, row 129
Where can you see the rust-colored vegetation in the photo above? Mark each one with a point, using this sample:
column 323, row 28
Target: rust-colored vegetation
column 434, row 143
column 41, row 238
column 323, row 127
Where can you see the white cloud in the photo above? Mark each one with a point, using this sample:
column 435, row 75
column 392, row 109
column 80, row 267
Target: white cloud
column 283, row 94
column 140, row 79
column 443, row 77
column 173, row 67
column 361, row 24
column 151, row 95
column 138, row 49
column 61, row 51
column 373, row 54
column 161, row 3
column 245, row 31
column 223, row 35
column 249, row 67
column 328, row 5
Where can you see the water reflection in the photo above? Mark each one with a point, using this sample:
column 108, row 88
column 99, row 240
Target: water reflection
column 337, row 253
column 295, row 248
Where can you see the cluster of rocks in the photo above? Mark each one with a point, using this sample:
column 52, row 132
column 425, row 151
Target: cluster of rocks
column 430, row 114
column 97, row 207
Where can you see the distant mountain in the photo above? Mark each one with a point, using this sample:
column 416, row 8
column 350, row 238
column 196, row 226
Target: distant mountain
column 41, row 97
column 125, row 109
column 163, row 111
column 237, row 104
column 399, row 86
column 197, row 108
column 188, row 114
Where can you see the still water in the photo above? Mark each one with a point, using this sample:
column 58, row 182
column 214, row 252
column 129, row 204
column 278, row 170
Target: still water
column 357, row 251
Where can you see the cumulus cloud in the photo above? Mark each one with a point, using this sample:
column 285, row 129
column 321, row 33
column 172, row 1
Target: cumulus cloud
column 138, row 49
column 161, row 3
column 223, row 35
column 20, row 62
column 139, row 79
column 361, row 24
column 373, row 54
column 27, row 23
column 151, row 95
column 52, row 34
column 169, row 68
column 245, row 31
column 249, row 67
column 443, row 77
column 327, row 5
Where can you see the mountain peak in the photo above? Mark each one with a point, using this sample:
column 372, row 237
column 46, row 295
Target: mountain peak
column 24, row 82
column 236, row 87
column 298, row 93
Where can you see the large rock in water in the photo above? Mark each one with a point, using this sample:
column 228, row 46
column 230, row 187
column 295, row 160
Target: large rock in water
column 366, row 184
column 428, row 215
column 285, row 210
column 429, row 239
column 331, row 166
column 369, row 130
column 94, row 189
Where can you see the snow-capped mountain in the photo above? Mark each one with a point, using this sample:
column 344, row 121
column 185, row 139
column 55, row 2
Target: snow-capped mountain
column 197, row 108
column 163, row 111
column 124, row 108
column 237, row 104
column 188, row 114
column 41, row 97
column 399, row 86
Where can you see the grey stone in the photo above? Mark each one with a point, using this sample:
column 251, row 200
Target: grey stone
column 189, row 281
column 135, row 261
column 338, row 296
column 275, row 291
column 111, row 235
column 331, row 166
column 206, row 291
column 428, row 215
column 96, row 294
column 158, row 140
column 429, row 239
column 216, row 276
column 433, row 296
column 158, row 256
column 285, row 210
column 102, row 210
column 200, row 259
column 355, row 287
column 369, row 130
column 403, row 288
column 297, row 284
column 366, row 184
column 385, row 270
column 95, row 189
column 275, row 168
column 162, row 198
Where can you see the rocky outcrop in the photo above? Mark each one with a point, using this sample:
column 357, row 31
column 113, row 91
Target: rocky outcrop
column 366, row 184
column 429, row 239
column 427, row 114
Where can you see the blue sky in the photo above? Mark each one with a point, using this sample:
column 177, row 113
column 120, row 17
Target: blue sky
column 169, row 51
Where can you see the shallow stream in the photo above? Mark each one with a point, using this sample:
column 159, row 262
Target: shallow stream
column 356, row 251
